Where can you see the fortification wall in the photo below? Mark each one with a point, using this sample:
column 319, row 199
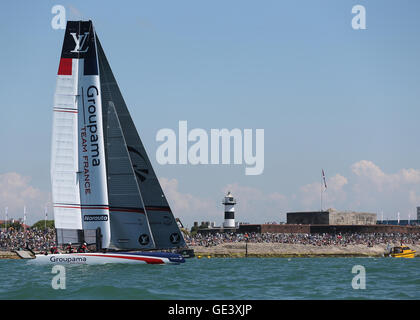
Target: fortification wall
column 315, row 217
column 306, row 228
column 351, row 218
column 363, row 229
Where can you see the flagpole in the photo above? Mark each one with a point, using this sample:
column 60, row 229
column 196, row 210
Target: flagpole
column 321, row 192
column 323, row 183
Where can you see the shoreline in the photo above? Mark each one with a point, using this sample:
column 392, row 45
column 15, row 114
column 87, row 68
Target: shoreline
column 281, row 250
column 9, row 255
column 275, row 250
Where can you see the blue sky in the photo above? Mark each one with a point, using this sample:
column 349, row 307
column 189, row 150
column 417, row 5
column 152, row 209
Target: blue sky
column 326, row 95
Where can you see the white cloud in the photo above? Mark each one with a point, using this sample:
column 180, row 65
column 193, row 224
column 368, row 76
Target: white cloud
column 414, row 198
column 187, row 207
column 392, row 192
column 311, row 196
column 337, row 182
column 370, row 173
column 17, row 192
column 368, row 188
column 333, row 196
column 410, row 175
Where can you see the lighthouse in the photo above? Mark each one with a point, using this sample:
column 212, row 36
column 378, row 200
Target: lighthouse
column 229, row 203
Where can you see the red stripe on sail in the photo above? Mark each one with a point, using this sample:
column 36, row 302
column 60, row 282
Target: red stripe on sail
column 65, row 67
column 66, row 111
column 83, row 207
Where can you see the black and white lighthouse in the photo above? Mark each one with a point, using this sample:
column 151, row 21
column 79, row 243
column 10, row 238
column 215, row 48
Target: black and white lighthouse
column 229, row 203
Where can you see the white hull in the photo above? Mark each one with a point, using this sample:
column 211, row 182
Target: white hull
column 109, row 257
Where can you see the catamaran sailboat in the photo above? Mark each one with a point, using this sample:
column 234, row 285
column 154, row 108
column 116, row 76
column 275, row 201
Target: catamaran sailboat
column 105, row 191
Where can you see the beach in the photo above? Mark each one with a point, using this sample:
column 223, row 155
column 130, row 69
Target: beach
column 8, row 255
column 265, row 250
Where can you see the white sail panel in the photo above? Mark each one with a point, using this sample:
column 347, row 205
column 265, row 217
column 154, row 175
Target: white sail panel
column 92, row 178
column 92, row 166
column 64, row 156
column 78, row 168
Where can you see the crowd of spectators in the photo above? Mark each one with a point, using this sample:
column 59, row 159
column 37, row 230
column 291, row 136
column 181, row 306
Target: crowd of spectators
column 43, row 240
column 324, row 239
column 33, row 239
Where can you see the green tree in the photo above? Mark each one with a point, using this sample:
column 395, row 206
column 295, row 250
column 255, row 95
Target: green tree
column 15, row 225
column 40, row 225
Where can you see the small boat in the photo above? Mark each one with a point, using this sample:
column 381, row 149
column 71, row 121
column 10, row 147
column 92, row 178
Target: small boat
column 402, row 252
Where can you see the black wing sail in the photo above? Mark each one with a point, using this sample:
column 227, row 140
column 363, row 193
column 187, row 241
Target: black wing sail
column 129, row 225
column 165, row 231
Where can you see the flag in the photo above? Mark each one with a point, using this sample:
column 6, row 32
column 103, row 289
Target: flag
column 398, row 218
column 323, row 177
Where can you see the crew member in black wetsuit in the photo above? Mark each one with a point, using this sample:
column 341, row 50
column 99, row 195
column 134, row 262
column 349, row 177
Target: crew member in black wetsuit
column 82, row 248
column 69, row 248
column 54, row 250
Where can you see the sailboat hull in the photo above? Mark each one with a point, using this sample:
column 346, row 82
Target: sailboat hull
column 109, row 257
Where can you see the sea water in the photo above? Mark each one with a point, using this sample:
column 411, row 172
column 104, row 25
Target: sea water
column 219, row 278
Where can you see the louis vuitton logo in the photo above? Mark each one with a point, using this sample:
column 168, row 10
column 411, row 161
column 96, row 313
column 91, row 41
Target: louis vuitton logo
column 80, row 42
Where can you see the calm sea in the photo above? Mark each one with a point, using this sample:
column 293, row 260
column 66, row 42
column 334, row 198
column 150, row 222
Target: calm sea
column 218, row 278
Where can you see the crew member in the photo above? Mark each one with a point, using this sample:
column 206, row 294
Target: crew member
column 69, row 248
column 54, row 250
column 82, row 248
